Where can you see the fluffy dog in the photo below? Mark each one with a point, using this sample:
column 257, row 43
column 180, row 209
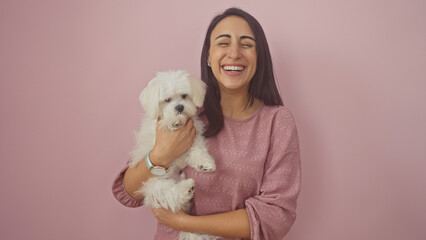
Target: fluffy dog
column 169, row 100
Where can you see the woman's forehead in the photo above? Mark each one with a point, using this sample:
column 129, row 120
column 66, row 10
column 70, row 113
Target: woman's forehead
column 232, row 26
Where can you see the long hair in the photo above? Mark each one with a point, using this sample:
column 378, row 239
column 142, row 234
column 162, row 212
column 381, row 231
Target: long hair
column 262, row 85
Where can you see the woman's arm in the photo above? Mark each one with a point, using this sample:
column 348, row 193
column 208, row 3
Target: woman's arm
column 168, row 146
column 135, row 176
column 233, row 224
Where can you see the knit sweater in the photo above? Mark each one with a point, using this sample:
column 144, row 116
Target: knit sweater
column 258, row 168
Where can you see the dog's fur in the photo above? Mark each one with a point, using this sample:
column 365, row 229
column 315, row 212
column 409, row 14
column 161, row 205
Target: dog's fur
column 172, row 97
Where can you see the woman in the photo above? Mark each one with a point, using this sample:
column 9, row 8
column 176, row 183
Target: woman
column 250, row 134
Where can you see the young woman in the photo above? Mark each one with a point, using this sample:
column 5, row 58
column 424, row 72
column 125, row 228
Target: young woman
column 250, row 134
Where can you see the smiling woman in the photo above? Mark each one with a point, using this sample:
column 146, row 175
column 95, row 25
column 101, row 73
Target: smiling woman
column 250, row 135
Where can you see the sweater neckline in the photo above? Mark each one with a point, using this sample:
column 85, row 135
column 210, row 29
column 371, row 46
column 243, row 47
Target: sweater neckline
column 245, row 119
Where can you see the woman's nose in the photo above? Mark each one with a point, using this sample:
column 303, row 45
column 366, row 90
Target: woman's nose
column 234, row 51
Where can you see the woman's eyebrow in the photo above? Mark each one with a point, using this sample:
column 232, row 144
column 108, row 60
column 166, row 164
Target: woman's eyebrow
column 229, row 36
column 244, row 36
column 223, row 35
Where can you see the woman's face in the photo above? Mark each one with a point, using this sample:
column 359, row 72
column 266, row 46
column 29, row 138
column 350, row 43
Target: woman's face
column 232, row 54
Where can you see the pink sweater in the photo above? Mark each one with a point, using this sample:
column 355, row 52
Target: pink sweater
column 258, row 168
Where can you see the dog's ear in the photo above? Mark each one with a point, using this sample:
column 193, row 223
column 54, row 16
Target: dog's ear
column 198, row 91
column 149, row 99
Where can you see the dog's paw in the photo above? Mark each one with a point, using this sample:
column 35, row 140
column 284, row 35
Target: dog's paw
column 182, row 194
column 188, row 236
column 195, row 236
column 175, row 125
column 187, row 186
column 206, row 167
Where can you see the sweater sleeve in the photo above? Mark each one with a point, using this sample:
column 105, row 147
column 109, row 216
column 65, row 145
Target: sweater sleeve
column 273, row 211
column 121, row 194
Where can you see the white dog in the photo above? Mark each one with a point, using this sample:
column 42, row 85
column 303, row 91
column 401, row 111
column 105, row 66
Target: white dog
column 172, row 97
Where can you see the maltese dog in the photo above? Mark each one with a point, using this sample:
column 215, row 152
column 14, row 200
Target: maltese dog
column 169, row 100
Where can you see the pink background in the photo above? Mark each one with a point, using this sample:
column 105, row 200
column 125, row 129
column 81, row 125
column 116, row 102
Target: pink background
column 353, row 72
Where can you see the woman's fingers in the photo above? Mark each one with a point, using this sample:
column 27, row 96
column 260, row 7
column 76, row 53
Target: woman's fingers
column 168, row 218
column 171, row 144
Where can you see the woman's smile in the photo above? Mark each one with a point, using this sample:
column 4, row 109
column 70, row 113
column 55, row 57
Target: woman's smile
column 233, row 69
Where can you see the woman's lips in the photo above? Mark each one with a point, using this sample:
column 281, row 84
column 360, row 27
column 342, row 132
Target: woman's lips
column 233, row 69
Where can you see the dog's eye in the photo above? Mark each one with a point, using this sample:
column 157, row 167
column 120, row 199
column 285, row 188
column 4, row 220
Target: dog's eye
column 184, row 96
column 168, row 100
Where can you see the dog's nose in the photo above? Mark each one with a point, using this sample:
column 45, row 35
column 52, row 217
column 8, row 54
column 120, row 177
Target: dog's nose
column 179, row 108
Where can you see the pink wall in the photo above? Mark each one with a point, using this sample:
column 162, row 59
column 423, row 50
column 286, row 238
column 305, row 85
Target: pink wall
column 353, row 72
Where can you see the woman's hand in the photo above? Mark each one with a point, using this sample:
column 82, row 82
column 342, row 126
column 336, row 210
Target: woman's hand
column 171, row 144
column 233, row 224
column 169, row 218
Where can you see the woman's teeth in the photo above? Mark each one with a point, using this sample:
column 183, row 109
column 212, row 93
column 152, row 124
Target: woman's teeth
column 233, row 68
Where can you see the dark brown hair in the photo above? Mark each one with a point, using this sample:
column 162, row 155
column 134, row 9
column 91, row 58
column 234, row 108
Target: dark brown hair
column 262, row 85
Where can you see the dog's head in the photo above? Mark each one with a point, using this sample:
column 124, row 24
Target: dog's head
column 173, row 97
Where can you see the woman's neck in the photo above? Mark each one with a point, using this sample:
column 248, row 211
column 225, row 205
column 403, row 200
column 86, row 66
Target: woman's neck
column 235, row 105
